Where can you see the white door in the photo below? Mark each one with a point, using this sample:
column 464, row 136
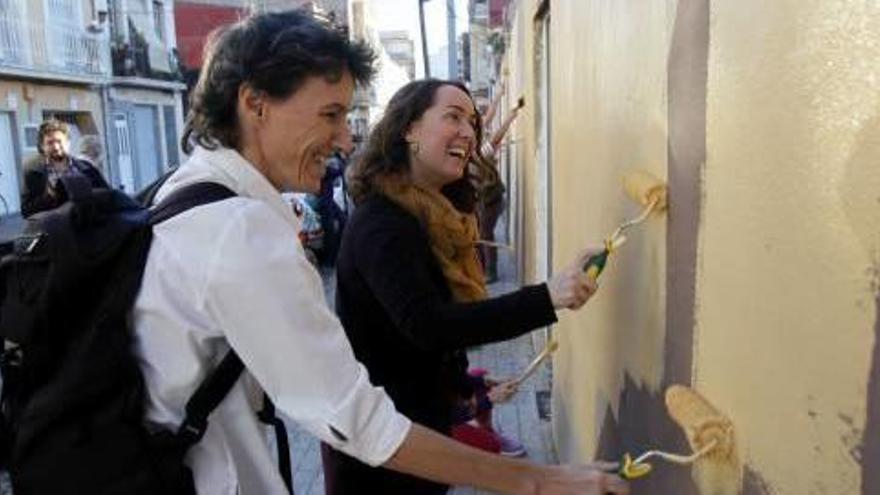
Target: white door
column 147, row 150
column 123, row 154
column 8, row 167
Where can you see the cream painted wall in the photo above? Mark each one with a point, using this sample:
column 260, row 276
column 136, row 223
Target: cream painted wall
column 790, row 232
column 520, row 82
column 609, row 104
column 788, row 266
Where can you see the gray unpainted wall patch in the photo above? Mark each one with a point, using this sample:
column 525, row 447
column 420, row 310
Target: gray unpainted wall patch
column 870, row 449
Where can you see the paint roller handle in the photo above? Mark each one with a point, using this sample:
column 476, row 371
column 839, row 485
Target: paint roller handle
column 628, row 469
column 596, row 263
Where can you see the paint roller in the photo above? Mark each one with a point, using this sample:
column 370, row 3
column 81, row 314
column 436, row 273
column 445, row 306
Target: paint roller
column 717, row 469
column 549, row 349
column 710, row 435
column 646, row 190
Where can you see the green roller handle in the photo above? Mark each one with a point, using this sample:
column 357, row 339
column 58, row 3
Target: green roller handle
column 596, row 264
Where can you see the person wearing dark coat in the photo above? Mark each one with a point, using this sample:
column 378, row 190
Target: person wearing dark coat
column 43, row 189
column 332, row 216
column 411, row 292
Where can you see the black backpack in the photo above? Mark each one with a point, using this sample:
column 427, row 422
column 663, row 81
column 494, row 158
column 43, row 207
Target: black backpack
column 73, row 399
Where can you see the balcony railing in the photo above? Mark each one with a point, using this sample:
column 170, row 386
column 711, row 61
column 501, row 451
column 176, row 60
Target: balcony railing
column 140, row 57
column 55, row 49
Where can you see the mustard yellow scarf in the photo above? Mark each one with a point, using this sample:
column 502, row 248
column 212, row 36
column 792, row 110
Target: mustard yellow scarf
column 452, row 235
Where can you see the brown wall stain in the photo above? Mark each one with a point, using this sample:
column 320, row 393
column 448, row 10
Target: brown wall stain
column 871, row 435
column 688, row 72
column 643, row 421
column 753, row 484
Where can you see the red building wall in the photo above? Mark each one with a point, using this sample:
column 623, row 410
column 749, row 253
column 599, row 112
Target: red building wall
column 496, row 12
column 194, row 23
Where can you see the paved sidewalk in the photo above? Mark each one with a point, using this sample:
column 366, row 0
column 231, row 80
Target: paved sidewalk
column 518, row 418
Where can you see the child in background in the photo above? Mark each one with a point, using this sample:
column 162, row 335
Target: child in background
column 473, row 420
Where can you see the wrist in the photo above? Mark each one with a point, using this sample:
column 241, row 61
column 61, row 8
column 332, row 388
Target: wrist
column 530, row 481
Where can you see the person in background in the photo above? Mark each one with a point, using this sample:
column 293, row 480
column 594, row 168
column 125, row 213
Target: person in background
column 92, row 150
column 489, row 113
column 411, row 293
column 43, row 189
column 491, row 192
column 332, row 216
column 269, row 108
column 472, row 419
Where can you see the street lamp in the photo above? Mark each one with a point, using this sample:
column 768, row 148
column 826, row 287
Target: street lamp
column 424, row 38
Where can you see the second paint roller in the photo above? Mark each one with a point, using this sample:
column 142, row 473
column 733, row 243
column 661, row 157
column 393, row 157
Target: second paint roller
column 717, row 469
column 650, row 193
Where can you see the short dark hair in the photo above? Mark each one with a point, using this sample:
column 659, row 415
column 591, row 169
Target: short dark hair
column 387, row 152
column 51, row 126
column 274, row 53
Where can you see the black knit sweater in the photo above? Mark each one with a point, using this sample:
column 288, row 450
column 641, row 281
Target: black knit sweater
column 398, row 313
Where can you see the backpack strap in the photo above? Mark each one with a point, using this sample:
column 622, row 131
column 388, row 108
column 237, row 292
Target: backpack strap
column 208, row 396
column 267, row 416
column 187, row 197
column 217, row 385
column 147, row 195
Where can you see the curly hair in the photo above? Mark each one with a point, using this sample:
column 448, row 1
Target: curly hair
column 387, row 152
column 48, row 127
column 275, row 54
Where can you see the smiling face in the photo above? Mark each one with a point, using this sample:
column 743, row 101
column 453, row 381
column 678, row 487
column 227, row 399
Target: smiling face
column 288, row 140
column 442, row 140
column 55, row 146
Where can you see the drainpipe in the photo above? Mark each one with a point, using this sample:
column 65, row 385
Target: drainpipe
column 452, row 49
column 110, row 158
column 424, row 38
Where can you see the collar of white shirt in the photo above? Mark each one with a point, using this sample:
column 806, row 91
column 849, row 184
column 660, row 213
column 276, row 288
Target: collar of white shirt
column 227, row 167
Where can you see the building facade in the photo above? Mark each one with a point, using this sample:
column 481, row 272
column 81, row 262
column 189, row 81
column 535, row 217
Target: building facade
column 481, row 67
column 368, row 103
column 401, row 50
column 108, row 68
column 760, row 287
column 145, row 111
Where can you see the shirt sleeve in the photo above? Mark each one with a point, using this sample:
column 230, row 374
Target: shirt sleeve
column 269, row 303
column 395, row 261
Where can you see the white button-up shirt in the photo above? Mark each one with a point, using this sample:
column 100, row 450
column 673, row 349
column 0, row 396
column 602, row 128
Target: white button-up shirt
column 233, row 273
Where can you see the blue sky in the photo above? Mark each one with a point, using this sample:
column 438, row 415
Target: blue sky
column 404, row 15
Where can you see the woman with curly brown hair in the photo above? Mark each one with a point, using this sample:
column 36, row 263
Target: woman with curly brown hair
column 411, row 293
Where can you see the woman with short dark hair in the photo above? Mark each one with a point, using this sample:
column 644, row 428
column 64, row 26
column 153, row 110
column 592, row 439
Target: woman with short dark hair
column 271, row 54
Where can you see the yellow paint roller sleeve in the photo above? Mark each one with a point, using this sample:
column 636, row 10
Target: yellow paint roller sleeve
column 644, row 188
